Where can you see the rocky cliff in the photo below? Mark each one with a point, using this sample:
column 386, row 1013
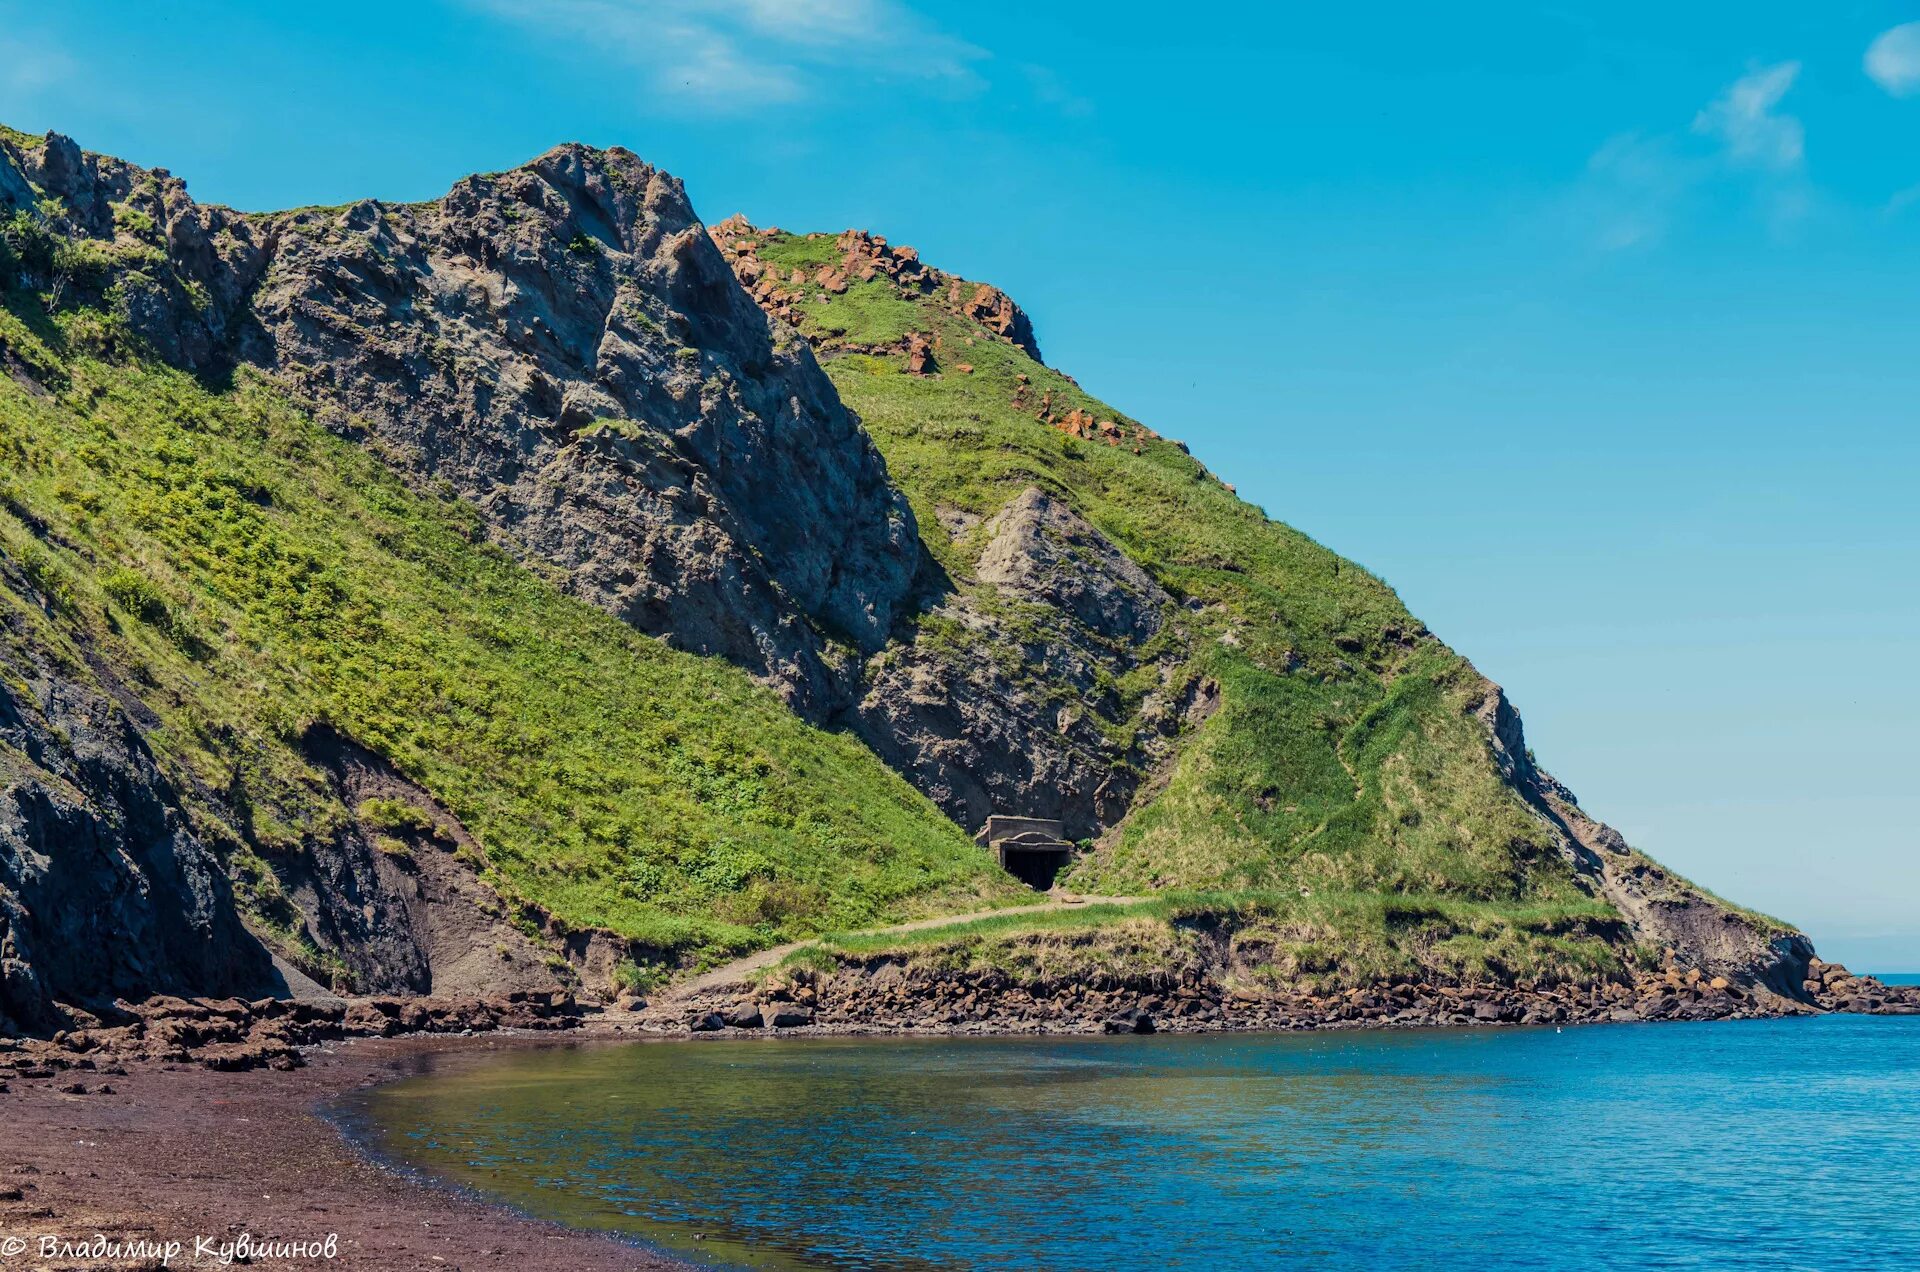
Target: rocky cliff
column 105, row 889
column 1054, row 673
column 560, row 344
column 321, row 483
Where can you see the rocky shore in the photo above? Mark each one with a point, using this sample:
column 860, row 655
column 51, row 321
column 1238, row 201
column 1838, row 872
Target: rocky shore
column 890, row 995
column 232, row 1035
column 181, row 1119
column 887, row 995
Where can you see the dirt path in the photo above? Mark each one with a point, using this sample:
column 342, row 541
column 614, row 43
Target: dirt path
column 738, row 970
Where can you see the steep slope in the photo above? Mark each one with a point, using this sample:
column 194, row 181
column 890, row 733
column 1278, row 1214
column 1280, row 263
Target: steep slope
column 562, row 346
column 1337, row 749
column 104, row 886
column 369, row 519
column 361, row 702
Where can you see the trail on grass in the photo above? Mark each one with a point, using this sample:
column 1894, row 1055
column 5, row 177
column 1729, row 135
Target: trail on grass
column 741, row 968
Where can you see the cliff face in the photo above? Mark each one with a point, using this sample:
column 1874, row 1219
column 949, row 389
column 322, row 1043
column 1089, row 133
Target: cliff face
column 562, row 346
column 1017, row 597
column 104, row 887
column 1049, row 686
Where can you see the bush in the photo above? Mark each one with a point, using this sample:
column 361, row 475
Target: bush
column 83, row 264
column 28, row 244
column 638, row 978
column 135, row 593
column 48, row 577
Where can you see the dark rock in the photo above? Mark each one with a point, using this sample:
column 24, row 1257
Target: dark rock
column 708, row 1023
column 790, row 1017
column 718, row 493
column 745, row 1016
column 104, row 891
column 977, row 739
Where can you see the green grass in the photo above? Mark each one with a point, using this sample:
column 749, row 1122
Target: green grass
column 252, row 576
column 1342, row 755
column 1324, row 941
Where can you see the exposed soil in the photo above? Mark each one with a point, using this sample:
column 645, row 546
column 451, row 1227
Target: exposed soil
column 172, row 1153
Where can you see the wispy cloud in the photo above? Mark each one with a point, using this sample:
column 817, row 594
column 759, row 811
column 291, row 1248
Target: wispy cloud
column 1637, row 186
column 1745, row 120
column 1050, row 90
column 1632, row 189
column 741, row 54
column 1893, row 60
column 1902, row 200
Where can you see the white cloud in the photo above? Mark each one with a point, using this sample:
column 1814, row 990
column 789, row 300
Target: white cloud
column 1893, row 60
column 1637, row 186
column 1632, row 189
column 740, row 54
column 1744, row 120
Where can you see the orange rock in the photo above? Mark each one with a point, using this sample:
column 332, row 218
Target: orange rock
column 920, row 355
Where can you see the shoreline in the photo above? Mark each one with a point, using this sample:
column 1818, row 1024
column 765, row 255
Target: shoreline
column 136, row 1134
column 165, row 1153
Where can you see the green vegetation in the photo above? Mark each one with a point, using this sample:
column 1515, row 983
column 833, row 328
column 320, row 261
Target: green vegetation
column 638, row 978
column 1324, row 941
column 251, row 577
column 1344, row 758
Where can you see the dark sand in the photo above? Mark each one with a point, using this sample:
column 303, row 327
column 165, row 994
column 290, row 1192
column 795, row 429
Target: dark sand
column 175, row 1153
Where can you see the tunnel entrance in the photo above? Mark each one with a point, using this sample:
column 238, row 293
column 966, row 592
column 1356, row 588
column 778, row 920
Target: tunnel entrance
column 1035, row 867
column 1028, row 848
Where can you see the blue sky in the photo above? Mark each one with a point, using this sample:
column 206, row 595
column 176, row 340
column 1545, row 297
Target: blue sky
column 1595, row 334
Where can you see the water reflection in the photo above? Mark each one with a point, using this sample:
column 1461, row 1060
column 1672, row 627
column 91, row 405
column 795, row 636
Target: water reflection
column 1743, row 1144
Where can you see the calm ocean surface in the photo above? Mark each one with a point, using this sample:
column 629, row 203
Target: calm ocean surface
column 1756, row 1144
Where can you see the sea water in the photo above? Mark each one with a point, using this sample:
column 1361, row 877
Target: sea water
column 1747, row 1144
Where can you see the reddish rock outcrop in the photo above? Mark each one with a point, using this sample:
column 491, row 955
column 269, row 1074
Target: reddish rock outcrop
column 865, row 257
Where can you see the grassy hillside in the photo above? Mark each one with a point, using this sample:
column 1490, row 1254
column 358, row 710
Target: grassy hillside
column 1343, row 761
column 1329, row 940
column 252, row 575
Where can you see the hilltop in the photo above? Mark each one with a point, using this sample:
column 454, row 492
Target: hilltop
column 533, row 588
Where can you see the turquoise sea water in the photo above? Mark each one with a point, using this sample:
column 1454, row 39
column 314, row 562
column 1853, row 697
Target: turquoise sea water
column 1755, row 1144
